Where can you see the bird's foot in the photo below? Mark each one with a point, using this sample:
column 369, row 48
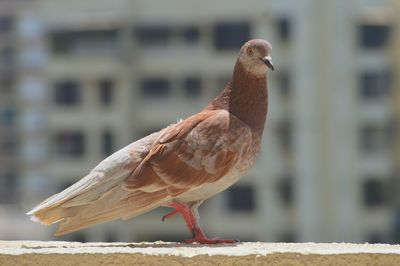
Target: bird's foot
column 210, row 241
column 169, row 215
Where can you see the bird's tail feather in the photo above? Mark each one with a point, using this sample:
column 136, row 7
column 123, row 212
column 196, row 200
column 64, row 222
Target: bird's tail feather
column 86, row 184
column 87, row 203
column 109, row 208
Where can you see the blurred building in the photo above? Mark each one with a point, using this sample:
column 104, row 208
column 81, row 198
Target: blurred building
column 93, row 76
column 8, row 159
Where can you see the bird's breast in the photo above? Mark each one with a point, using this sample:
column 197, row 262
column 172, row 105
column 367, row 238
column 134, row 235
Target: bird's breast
column 208, row 190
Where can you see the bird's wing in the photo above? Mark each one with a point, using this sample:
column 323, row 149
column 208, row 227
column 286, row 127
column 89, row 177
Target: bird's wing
column 194, row 152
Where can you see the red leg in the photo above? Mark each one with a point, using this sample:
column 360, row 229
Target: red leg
column 191, row 217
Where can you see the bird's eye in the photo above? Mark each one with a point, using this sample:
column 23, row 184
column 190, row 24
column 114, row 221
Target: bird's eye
column 249, row 51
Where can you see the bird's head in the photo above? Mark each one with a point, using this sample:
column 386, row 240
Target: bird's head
column 255, row 56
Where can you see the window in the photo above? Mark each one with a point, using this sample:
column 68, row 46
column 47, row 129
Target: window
column 70, row 144
column 8, row 186
column 8, row 143
column 376, row 137
column 283, row 28
column 110, row 237
column 222, row 82
column 231, row 36
column 78, row 237
column 155, row 88
column 66, row 183
column 153, row 35
column 191, row 35
column 287, row 237
column 373, row 192
column 374, row 36
column 192, row 87
column 6, row 24
column 150, row 130
column 396, row 226
column 7, row 55
column 107, row 142
column 375, row 238
column 375, row 85
column 6, row 84
column 284, row 134
column 369, row 139
column 284, row 84
column 106, row 91
column 7, row 116
column 84, row 42
column 285, row 189
column 67, row 92
column 241, row 198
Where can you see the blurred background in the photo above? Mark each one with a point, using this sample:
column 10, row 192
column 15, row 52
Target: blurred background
column 81, row 79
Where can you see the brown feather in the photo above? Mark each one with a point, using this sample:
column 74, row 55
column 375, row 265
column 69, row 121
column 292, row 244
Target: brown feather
column 196, row 151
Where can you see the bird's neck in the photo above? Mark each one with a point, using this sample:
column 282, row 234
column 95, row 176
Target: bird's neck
column 246, row 97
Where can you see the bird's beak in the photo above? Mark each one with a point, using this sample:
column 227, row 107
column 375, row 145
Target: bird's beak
column 268, row 62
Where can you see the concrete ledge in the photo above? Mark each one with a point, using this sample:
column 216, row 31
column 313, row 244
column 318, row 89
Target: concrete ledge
column 162, row 253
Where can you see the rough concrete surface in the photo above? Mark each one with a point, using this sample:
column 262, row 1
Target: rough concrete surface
column 162, row 253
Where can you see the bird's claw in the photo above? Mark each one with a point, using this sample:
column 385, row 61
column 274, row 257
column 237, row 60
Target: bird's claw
column 169, row 215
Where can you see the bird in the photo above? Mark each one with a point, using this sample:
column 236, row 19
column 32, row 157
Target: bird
column 181, row 165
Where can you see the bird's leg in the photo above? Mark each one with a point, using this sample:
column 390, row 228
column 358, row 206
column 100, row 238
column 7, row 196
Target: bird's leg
column 191, row 217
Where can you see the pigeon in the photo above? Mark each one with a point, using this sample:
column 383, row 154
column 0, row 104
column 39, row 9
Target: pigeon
column 179, row 166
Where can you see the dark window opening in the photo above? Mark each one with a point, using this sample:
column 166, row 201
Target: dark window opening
column 84, row 42
column 376, row 137
column 283, row 28
column 6, row 24
column 231, row 36
column 7, row 56
column 8, row 187
column 284, row 84
column 374, row 85
column 106, row 87
column 284, row 134
column 285, row 189
column 147, row 131
column 65, row 184
column 7, row 116
column 107, row 142
column 67, row 92
column 287, row 237
column 8, row 144
column 373, row 192
column 79, row 237
column 375, row 238
column 192, row 87
column 396, row 226
column 110, row 237
column 241, row 198
column 155, row 88
column 191, row 35
column 222, row 82
column 6, row 84
column 153, row 35
column 70, row 144
column 374, row 36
